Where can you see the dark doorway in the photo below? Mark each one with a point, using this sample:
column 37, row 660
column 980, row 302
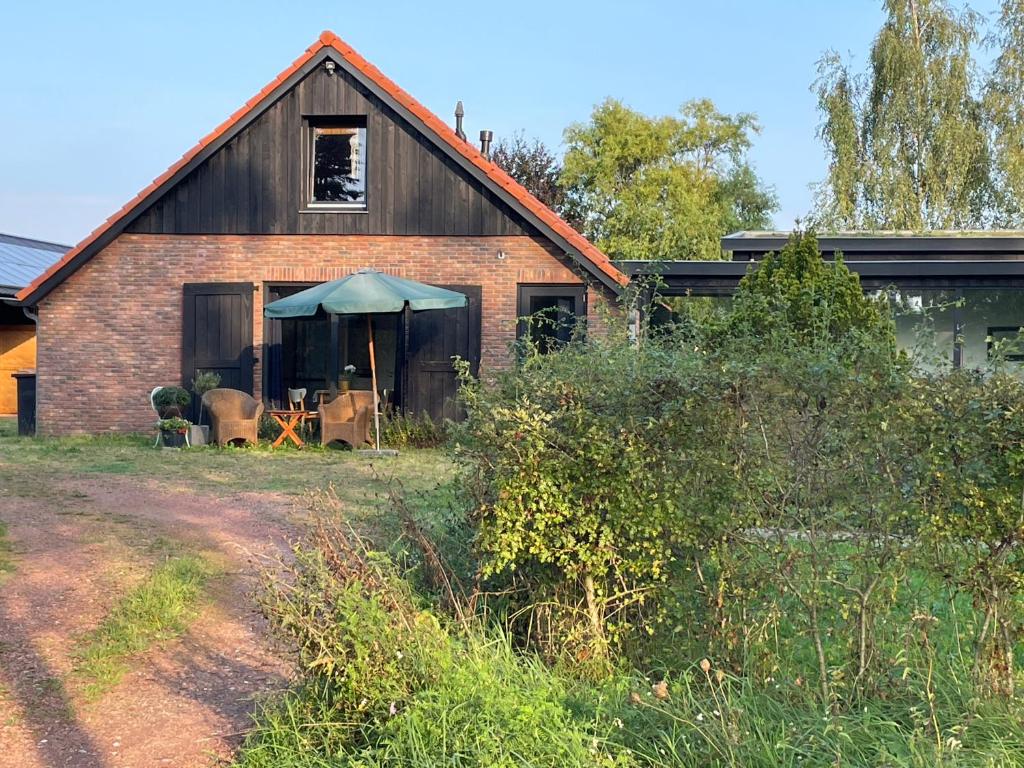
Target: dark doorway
column 217, row 333
column 435, row 337
column 297, row 351
column 549, row 315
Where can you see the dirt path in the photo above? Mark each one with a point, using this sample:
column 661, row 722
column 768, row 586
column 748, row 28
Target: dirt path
column 185, row 703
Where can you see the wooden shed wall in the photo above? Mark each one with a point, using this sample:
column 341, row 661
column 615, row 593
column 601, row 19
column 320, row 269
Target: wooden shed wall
column 253, row 184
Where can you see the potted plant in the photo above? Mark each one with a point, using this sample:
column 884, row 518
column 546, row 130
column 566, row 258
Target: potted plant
column 203, row 382
column 171, row 401
column 173, row 431
column 347, row 374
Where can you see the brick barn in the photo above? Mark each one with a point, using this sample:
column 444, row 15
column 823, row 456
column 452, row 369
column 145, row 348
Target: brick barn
column 330, row 168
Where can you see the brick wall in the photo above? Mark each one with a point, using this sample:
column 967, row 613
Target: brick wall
column 112, row 331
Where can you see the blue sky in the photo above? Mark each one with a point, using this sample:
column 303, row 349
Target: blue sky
column 100, row 97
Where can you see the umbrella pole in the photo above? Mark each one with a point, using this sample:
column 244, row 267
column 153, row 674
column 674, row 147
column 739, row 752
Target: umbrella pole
column 332, row 358
column 373, row 379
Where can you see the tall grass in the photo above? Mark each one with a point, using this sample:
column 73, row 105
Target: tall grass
column 158, row 609
column 388, row 680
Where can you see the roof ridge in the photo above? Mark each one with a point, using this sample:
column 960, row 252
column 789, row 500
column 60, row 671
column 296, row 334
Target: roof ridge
column 329, row 39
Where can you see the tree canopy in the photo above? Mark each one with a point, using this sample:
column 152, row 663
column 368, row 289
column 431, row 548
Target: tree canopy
column 666, row 187
column 906, row 139
column 1004, row 111
column 533, row 165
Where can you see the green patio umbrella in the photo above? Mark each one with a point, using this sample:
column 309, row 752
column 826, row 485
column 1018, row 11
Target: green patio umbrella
column 366, row 292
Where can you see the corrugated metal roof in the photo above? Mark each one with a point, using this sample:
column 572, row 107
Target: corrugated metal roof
column 22, row 260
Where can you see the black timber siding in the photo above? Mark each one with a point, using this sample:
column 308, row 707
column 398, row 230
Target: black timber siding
column 253, row 185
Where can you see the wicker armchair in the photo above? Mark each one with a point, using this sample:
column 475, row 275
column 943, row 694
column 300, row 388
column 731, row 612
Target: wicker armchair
column 235, row 415
column 344, row 419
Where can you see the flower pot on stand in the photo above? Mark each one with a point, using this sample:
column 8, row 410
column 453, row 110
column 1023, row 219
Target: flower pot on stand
column 172, row 438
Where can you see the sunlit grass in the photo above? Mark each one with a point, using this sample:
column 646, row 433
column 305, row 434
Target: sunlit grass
column 6, row 559
column 158, row 609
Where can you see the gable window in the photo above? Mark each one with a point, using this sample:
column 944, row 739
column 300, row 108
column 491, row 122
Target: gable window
column 549, row 315
column 336, row 157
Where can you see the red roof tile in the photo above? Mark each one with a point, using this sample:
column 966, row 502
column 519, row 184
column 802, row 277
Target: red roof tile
column 328, row 39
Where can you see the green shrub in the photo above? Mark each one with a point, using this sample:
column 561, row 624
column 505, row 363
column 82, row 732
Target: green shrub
column 167, row 397
column 800, row 294
column 579, row 463
column 972, row 443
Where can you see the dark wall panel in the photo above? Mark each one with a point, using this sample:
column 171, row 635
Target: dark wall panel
column 253, row 185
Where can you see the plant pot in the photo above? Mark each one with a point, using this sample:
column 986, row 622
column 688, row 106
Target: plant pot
column 344, row 385
column 198, row 434
column 172, row 438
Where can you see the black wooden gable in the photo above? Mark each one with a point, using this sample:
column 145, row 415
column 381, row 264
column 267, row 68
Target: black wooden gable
column 253, row 183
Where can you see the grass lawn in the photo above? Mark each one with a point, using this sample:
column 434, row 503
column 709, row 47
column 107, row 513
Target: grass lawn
column 28, row 467
column 154, row 545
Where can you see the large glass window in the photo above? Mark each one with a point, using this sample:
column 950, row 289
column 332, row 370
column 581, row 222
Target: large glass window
column 990, row 321
column 337, row 166
column 926, row 325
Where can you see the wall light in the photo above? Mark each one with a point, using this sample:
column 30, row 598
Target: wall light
column 501, row 255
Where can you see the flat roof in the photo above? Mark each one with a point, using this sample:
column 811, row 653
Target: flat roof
column 680, row 278
column 858, row 245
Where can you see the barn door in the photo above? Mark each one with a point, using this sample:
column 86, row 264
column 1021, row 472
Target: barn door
column 435, row 337
column 217, row 333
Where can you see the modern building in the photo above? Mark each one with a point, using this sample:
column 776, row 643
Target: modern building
column 956, row 293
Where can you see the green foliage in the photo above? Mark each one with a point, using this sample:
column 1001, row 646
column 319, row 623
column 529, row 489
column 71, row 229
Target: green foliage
column 1004, row 110
column 158, row 609
column 534, row 166
column 172, row 396
column 972, row 428
column 204, row 381
column 173, row 424
column 798, row 294
column 386, row 683
column 663, row 187
column 906, row 140
column 578, row 461
column 400, row 430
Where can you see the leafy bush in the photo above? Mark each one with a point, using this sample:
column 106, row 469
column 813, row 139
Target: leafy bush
column 172, row 396
column 579, row 462
column 797, row 293
column 972, row 435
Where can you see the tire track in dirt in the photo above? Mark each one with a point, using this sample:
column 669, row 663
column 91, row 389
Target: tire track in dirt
column 185, row 703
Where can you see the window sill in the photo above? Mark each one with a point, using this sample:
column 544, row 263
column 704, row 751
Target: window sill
column 334, row 209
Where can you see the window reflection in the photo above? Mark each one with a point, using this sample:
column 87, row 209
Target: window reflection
column 990, row 321
column 925, row 325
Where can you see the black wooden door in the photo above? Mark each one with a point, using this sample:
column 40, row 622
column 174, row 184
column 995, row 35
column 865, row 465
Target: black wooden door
column 435, row 337
column 217, row 333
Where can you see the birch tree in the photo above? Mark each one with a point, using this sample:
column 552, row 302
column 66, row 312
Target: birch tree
column 906, row 139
